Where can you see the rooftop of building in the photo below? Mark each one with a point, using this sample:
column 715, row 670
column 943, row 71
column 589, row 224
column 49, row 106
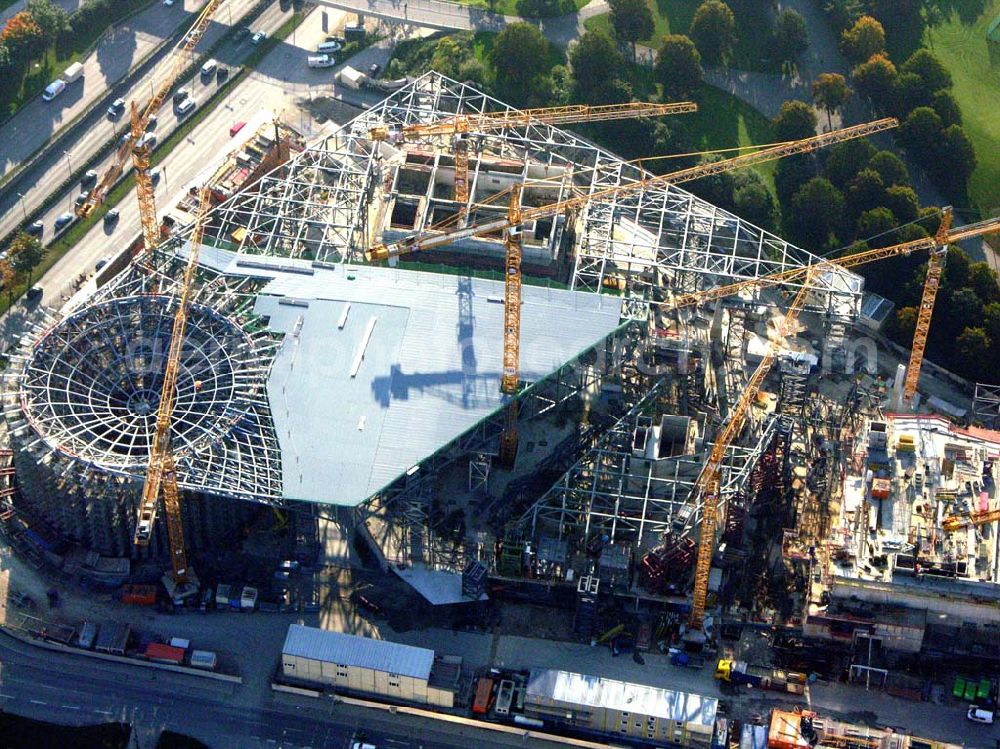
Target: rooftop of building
column 360, row 652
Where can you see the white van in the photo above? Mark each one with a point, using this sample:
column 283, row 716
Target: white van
column 54, row 89
column 320, row 61
column 329, row 48
column 209, row 67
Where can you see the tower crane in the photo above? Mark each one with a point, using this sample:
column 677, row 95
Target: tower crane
column 161, row 475
column 459, row 126
column 709, row 480
column 138, row 122
column 516, row 215
column 957, row 522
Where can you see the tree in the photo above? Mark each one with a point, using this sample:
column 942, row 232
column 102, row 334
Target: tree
column 791, row 174
column 595, row 61
column 520, row 54
column 678, row 66
column 904, row 325
column 874, row 226
column 24, row 253
column 875, row 79
column 752, row 200
column 947, row 108
column 713, row 30
column 956, row 158
column 972, row 354
column 717, row 189
column 845, row 160
column 903, row 202
column 22, row 37
column 908, row 93
column 865, row 192
column 51, row 19
column 448, row 57
column 957, row 269
column 921, row 132
column 991, row 320
column 790, row 36
column 891, row 168
column 817, row 208
column 929, row 69
column 864, row 39
column 983, row 281
column 795, row 120
column 632, row 21
column 830, row 92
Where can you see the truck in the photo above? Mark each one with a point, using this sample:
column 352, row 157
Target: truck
column 73, row 72
column 686, row 660
column 484, row 696
column 222, row 593
column 761, row 677
column 248, row 600
column 157, row 651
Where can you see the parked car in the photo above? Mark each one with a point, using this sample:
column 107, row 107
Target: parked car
column 111, row 217
column 34, row 293
column 320, row 61
column 374, row 69
column 63, row 220
column 116, row 109
column 980, row 715
column 258, row 38
column 35, row 228
column 328, row 48
column 185, row 107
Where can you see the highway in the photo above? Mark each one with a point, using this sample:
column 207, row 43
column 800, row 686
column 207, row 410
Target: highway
column 282, row 83
column 36, row 122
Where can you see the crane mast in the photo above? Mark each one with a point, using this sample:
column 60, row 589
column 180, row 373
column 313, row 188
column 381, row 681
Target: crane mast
column 139, row 120
column 708, row 482
column 161, row 476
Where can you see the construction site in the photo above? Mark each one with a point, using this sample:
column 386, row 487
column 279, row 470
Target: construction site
column 507, row 364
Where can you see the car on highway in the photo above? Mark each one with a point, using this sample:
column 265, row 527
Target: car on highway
column 35, row 293
column 116, row 109
column 979, row 715
column 151, row 122
column 81, row 198
column 180, row 95
column 54, row 89
column 185, row 107
column 148, row 140
column 258, row 38
column 223, row 73
column 35, row 228
column 102, row 262
column 209, row 67
column 89, row 178
column 154, row 174
column 63, row 220
column 111, row 217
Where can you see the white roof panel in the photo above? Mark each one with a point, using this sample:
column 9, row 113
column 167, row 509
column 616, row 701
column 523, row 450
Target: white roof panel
column 362, row 652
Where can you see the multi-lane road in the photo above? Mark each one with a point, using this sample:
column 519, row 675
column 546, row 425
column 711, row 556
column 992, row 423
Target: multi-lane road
column 35, row 123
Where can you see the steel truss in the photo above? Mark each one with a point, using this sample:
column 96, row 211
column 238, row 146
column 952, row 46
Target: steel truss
column 986, row 405
column 609, row 492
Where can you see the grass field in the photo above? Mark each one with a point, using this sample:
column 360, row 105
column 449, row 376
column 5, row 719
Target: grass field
column 962, row 48
column 674, row 17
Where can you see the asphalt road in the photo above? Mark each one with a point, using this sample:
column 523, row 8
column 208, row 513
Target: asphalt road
column 36, row 122
column 79, row 690
column 282, row 83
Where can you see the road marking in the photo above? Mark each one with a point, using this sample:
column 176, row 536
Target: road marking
column 103, row 712
column 36, row 702
column 69, row 707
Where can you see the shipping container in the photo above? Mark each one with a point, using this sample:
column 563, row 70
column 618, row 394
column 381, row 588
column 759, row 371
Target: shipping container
column 88, row 633
column 139, row 595
column 204, row 659
column 180, row 642
column 248, row 600
column 156, row 651
column 484, row 696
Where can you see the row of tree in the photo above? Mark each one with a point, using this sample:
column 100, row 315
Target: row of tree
column 23, row 255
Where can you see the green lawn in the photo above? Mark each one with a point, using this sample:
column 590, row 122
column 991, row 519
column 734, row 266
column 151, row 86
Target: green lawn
column 674, row 17
column 962, row 48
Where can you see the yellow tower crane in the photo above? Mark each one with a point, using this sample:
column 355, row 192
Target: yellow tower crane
column 140, row 152
column 957, row 522
column 459, row 126
column 161, row 475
